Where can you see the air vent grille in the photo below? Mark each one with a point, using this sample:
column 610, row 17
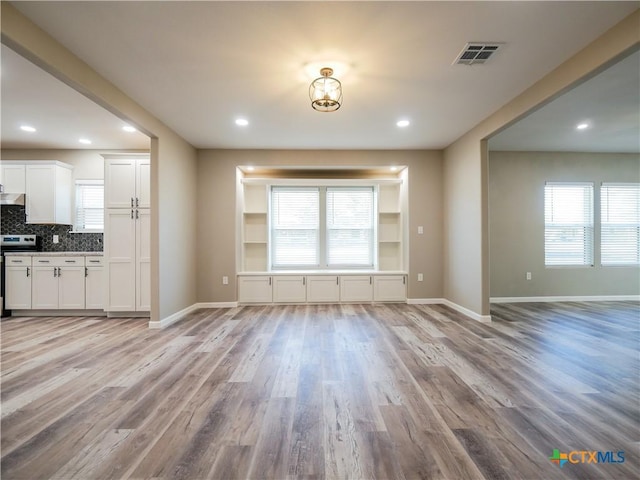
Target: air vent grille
column 476, row 53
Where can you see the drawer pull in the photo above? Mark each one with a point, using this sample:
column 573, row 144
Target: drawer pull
column 16, row 261
column 28, row 271
column 94, row 261
column 70, row 261
column 43, row 261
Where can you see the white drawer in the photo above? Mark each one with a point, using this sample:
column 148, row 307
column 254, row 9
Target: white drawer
column 58, row 261
column 94, row 261
column 18, row 261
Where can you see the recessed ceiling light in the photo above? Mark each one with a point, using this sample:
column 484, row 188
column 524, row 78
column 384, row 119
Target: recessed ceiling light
column 393, row 169
column 85, row 141
column 582, row 126
column 129, row 128
column 250, row 169
column 403, row 123
column 27, row 128
column 242, row 122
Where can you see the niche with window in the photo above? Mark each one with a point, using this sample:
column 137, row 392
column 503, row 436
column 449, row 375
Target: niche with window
column 288, row 225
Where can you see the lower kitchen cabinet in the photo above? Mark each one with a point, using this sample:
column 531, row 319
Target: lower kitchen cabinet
column 255, row 289
column 323, row 288
column 94, row 282
column 58, row 283
column 289, row 289
column 18, row 272
column 356, row 288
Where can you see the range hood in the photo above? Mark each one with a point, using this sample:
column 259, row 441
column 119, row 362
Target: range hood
column 12, row 199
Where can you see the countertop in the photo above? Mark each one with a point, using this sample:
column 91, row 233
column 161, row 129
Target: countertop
column 55, row 254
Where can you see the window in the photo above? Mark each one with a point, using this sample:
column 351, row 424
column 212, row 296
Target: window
column 568, row 224
column 89, row 206
column 620, row 224
column 322, row 227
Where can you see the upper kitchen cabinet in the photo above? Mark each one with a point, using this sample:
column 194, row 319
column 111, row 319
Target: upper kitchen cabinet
column 127, row 182
column 48, row 192
column 13, row 177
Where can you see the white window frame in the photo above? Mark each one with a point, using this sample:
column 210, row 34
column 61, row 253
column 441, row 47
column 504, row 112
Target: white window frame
column 556, row 225
column 620, row 225
column 323, row 231
column 77, row 228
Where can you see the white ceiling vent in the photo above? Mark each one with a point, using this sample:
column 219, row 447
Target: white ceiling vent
column 476, row 53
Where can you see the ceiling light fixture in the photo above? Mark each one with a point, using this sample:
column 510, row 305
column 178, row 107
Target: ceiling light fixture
column 582, row 126
column 325, row 92
column 403, row 123
column 129, row 128
column 242, row 122
column 27, row 128
column 85, row 141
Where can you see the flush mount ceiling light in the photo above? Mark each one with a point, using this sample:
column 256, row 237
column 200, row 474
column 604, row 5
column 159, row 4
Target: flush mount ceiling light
column 242, row 122
column 27, row 128
column 325, row 92
column 85, row 141
column 582, row 126
column 129, row 128
column 403, row 123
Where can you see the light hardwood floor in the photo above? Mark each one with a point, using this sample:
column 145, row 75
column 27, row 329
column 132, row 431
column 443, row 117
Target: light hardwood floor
column 335, row 391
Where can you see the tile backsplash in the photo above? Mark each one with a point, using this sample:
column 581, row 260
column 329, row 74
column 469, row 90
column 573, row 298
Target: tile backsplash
column 13, row 223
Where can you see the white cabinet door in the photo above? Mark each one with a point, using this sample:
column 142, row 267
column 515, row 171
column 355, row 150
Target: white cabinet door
column 18, row 287
column 323, row 288
column 13, row 178
column 143, row 183
column 48, row 194
column 143, row 259
column 71, row 286
column 120, row 257
column 289, row 289
column 120, row 183
column 389, row 288
column 44, row 286
column 356, row 288
column 94, row 288
column 255, row 289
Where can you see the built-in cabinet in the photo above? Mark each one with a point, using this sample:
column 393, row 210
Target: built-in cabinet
column 320, row 288
column 48, row 189
column 254, row 227
column 18, row 271
column 127, row 235
column 66, row 282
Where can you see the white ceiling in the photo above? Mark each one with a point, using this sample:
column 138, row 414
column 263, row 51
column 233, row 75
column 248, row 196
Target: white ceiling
column 197, row 66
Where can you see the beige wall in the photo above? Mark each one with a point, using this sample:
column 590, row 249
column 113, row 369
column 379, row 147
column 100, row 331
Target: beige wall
column 173, row 163
column 217, row 211
column 516, row 220
column 466, row 264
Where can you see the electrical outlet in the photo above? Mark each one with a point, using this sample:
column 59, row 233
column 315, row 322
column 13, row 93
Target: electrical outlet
column 225, row 280
column 420, row 230
column 528, row 275
column 56, row 239
column 420, row 277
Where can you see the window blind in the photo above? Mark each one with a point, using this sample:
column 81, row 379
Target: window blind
column 89, row 206
column 350, row 226
column 568, row 224
column 620, row 224
column 295, row 224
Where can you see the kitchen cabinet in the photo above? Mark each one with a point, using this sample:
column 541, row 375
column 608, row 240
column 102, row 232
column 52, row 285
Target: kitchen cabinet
column 255, row 289
column 94, row 283
column 289, row 289
column 18, row 273
column 356, row 288
column 58, row 283
column 48, row 187
column 127, row 236
column 323, row 288
column 389, row 288
column 13, row 177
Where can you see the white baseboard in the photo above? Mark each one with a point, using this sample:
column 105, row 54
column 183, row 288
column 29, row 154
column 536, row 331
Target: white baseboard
column 570, row 298
column 449, row 303
column 171, row 319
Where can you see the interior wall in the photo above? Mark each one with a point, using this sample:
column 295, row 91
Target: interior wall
column 516, row 219
column 173, row 162
column 87, row 164
column 466, row 263
column 217, row 242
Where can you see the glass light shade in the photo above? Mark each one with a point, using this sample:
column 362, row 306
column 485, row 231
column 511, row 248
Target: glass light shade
column 325, row 92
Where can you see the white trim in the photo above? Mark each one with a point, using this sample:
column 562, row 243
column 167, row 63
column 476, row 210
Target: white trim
column 467, row 312
column 574, row 298
column 171, row 319
column 425, row 301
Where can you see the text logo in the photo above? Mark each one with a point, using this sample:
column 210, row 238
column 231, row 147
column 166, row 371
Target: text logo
column 586, row 456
